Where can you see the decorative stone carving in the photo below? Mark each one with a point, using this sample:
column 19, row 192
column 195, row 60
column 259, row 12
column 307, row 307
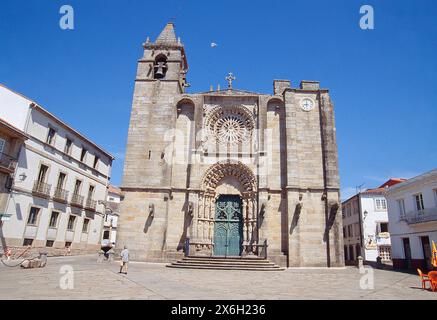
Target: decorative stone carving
column 230, row 125
column 217, row 172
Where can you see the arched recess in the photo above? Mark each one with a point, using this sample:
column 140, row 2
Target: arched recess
column 276, row 147
column 183, row 143
column 224, row 178
column 276, row 144
column 214, row 176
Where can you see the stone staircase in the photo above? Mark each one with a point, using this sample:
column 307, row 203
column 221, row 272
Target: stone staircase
column 229, row 263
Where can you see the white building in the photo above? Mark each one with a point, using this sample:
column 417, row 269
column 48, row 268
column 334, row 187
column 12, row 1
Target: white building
column 365, row 225
column 412, row 209
column 115, row 196
column 59, row 184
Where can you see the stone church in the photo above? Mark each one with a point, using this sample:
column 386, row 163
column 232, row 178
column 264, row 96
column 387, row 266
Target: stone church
column 228, row 173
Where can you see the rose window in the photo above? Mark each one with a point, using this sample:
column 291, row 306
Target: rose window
column 231, row 125
column 231, row 129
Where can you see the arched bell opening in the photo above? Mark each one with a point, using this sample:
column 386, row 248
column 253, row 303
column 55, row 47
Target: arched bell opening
column 160, row 67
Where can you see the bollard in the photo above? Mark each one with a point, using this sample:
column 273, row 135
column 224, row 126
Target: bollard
column 360, row 262
column 43, row 258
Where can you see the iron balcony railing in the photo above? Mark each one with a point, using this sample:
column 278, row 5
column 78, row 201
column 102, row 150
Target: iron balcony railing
column 61, row 195
column 91, row 204
column 7, row 162
column 41, row 189
column 420, row 216
column 76, row 200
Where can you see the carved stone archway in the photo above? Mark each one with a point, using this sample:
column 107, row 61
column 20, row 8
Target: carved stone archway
column 226, row 177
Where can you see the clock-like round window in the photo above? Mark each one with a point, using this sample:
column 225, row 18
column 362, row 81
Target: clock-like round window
column 230, row 125
column 231, row 129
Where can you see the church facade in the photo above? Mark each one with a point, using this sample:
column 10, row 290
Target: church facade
column 228, row 172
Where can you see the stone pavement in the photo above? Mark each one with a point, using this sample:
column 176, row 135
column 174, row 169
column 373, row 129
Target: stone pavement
column 94, row 280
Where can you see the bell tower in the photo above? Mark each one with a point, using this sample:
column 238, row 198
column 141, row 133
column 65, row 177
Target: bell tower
column 161, row 76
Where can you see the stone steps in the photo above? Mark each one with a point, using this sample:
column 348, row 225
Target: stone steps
column 220, row 263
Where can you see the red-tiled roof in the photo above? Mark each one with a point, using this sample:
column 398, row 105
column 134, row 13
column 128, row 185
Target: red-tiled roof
column 114, row 189
column 375, row 190
column 392, row 181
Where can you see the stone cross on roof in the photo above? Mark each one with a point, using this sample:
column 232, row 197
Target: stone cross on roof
column 230, row 78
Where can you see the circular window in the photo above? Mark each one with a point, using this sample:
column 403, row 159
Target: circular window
column 231, row 129
column 231, row 126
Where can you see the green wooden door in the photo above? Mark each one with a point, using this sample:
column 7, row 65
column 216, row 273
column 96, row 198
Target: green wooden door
column 228, row 228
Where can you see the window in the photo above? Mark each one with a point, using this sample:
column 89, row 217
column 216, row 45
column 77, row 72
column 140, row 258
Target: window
column 383, row 227
column 2, row 145
column 106, row 235
column 54, row 219
column 86, row 223
column 96, row 162
column 77, row 186
column 71, row 221
column 50, row 243
column 344, row 232
column 351, row 234
column 51, row 136
column 68, row 146
column 401, row 206
column 83, row 155
column 357, row 229
column 380, row 204
column 348, row 210
column 42, row 173
column 385, row 253
column 67, row 244
column 346, row 255
column 355, row 208
column 90, row 192
column 61, row 181
column 33, row 216
column 419, row 202
column 111, row 198
column 27, row 242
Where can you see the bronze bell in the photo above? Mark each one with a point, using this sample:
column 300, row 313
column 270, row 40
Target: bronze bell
column 160, row 70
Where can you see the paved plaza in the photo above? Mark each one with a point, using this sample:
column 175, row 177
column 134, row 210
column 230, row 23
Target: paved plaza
column 94, row 280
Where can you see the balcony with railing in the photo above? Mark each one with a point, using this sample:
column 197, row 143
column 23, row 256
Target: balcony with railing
column 90, row 204
column 420, row 216
column 60, row 195
column 76, row 201
column 7, row 163
column 41, row 189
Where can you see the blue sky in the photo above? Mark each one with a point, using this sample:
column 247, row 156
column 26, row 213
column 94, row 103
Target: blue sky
column 383, row 81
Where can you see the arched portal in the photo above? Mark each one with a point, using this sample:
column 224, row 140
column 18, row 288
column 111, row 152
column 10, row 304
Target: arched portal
column 227, row 204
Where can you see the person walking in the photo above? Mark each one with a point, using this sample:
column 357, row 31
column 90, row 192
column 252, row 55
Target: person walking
column 124, row 260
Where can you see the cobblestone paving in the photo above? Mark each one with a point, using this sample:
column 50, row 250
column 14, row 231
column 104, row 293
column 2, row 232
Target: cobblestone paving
column 94, row 280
